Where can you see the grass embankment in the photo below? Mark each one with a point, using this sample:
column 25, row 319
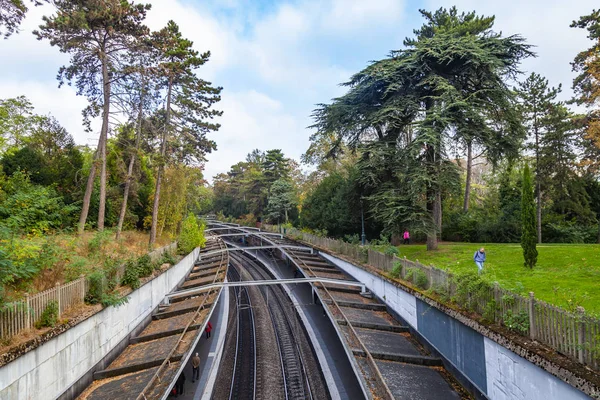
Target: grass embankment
column 47, row 260
column 567, row 275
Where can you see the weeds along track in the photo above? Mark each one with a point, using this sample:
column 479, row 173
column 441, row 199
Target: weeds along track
column 301, row 376
column 148, row 367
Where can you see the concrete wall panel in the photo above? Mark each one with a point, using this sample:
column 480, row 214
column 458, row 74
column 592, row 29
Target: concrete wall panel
column 510, row 377
column 461, row 345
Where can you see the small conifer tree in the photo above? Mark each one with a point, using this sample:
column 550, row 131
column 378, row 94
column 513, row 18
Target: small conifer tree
column 529, row 235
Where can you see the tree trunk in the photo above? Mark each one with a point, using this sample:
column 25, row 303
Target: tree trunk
column 161, row 167
column 130, row 171
column 104, row 138
column 89, row 187
column 469, row 172
column 437, row 213
column 537, row 186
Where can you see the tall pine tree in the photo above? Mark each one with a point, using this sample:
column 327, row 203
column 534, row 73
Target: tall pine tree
column 188, row 112
column 536, row 100
column 96, row 33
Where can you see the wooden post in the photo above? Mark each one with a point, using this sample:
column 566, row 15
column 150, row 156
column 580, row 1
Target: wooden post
column 581, row 334
column 531, row 312
column 27, row 311
column 83, row 285
column 58, row 299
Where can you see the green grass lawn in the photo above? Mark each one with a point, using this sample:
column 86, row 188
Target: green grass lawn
column 566, row 275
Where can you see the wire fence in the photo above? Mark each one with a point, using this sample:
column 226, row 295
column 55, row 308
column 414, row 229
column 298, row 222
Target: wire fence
column 573, row 334
column 22, row 315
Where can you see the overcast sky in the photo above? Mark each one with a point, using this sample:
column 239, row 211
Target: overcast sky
column 277, row 59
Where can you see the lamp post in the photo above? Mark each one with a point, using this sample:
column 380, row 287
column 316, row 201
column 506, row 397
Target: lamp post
column 362, row 221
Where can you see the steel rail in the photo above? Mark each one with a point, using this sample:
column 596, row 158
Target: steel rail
column 370, row 360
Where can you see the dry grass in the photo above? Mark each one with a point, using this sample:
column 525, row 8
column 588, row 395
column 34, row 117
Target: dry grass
column 76, row 256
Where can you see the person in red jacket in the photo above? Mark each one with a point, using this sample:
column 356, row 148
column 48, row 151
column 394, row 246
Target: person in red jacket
column 208, row 329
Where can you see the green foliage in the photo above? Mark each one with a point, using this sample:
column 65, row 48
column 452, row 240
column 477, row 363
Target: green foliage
column 469, row 288
column 282, row 199
column 391, row 251
column 167, row 258
column 49, row 316
column 33, row 209
column 131, row 275
column 529, row 235
column 396, row 270
column 191, row 236
column 517, row 322
column 113, row 299
column 99, row 241
column 96, row 287
column 145, row 266
column 417, row 276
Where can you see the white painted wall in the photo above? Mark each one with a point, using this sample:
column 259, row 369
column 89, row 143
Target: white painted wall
column 49, row 370
column 397, row 299
column 511, row 377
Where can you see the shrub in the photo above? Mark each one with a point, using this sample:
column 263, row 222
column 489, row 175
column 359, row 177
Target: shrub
column 396, row 271
column 469, row 288
column 391, row 251
column 145, row 266
column 131, row 276
column 418, row 277
column 97, row 287
column 517, row 322
column 113, row 299
column 167, row 258
column 49, row 317
column 100, row 239
column 191, row 236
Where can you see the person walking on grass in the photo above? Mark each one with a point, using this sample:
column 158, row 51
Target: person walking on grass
column 479, row 258
column 195, row 368
column 406, row 237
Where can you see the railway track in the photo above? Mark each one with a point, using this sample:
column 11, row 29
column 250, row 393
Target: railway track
column 243, row 381
column 301, row 377
column 147, row 368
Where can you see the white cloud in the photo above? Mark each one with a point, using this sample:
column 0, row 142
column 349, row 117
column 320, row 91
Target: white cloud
column 545, row 24
column 253, row 120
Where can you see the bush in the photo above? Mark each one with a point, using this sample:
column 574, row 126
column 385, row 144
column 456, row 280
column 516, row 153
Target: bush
column 145, row 266
column 470, row 287
column 391, row 251
column 100, row 239
column 131, row 276
column 97, row 287
column 167, row 258
column 191, row 236
column 396, row 271
column 517, row 322
column 418, row 277
column 49, row 317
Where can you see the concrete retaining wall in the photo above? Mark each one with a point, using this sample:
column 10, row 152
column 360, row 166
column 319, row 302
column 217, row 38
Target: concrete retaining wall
column 494, row 370
column 52, row 368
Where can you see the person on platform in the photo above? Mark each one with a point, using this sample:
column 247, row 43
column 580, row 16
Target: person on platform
column 208, row 329
column 180, row 384
column 195, row 368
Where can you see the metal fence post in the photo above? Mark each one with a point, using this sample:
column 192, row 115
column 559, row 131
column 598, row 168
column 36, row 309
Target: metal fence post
column 531, row 312
column 581, row 333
